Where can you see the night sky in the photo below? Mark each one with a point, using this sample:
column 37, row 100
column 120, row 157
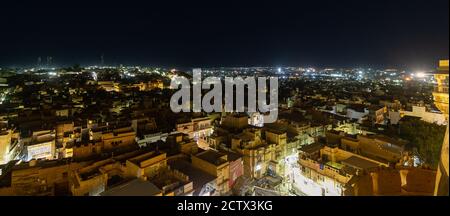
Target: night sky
column 398, row 33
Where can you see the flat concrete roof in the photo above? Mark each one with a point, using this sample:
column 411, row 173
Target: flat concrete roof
column 311, row 148
column 212, row 157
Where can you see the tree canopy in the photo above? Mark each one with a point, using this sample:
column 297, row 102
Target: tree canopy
column 426, row 137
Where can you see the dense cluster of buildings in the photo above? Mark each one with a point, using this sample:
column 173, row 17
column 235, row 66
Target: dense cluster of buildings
column 346, row 164
column 86, row 133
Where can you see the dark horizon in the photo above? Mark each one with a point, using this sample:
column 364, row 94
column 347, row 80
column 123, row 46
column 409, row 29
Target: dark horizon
column 380, row 34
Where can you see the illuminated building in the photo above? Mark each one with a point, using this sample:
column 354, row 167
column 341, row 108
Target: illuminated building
column 441, row 100
column 41, row 145
column 138, row 169
column 198, row 129
column 147, row 169
column 143, row 124
column 67, row 134
column 357, row 111
column 204, row 184
column 236, row 121
column 257, row 154
column 173, row 182
column 381, row 147
column 425, row 115
column 88, row 181
column 8, row 145
column 104, row 138
column 326, row 171
column 118, row 137
column 62, row 131
column 377, row 114
column 400, row 181
column 151, row 85
column 146, row 165
column 378, row 147
column 279, row 138
column 236, row 167
column 41, row 178
column 135, row 187
column 148, row 139
column 182, row 142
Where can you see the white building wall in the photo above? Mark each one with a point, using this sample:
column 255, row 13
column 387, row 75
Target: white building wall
column 353, row 114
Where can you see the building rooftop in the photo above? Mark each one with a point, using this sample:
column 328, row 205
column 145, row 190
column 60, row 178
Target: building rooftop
column 94, row 172
column 197, row 176
column 43, row 139
column 278, row 131
column 359, row 163
column 358, row 107
column 390, row 140
column 212, row 157
column 141, row 158
column 169, row 180
column 135, row 187
column 309, row 149
column 246, row 137
column 293, row 116
column 231, row 156
column 410, row 118
column 41, row 164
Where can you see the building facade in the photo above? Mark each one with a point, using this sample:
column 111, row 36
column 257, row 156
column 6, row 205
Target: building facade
column 441, row 99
